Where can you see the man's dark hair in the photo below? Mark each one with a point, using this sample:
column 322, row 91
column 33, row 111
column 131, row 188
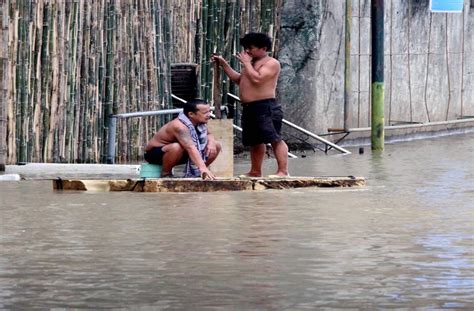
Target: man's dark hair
column 257, row 39
column 191, row 106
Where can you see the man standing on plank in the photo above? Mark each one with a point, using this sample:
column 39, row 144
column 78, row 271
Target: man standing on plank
column 262, row 115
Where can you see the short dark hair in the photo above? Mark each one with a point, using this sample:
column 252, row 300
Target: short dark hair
column 257, row 39
column 191, row 106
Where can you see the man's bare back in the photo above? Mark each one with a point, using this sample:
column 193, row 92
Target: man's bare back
column 166, row 135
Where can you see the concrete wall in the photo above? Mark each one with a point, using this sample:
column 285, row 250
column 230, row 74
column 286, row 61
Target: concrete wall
column 429, row 63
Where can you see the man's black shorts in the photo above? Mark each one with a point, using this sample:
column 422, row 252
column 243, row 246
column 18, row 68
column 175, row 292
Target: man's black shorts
column 155, row 156
column 261, row 122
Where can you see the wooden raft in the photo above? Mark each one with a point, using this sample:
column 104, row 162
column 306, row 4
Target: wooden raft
column 199, row 185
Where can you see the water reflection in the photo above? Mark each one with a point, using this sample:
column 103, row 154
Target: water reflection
column 403, row 241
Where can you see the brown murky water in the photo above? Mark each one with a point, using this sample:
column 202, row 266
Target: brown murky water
column 406, row 240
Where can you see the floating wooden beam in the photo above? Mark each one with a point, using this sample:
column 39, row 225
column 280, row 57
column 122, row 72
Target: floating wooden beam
column 199, row 185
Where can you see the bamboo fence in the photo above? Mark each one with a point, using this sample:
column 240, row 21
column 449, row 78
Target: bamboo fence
column 74, row 63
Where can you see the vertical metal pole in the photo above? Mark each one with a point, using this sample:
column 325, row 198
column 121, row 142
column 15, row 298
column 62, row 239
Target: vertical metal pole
column 347, row 65
column 111, row 140
column 377, row 33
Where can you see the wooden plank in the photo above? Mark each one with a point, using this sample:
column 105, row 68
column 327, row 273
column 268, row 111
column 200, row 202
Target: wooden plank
column 223, row 132
column 199, row 185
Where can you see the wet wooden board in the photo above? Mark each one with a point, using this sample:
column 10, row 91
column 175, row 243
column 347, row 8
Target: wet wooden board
column 199, row 185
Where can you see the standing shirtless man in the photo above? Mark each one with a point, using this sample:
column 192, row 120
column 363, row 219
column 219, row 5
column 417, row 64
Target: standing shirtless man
column 261, row 116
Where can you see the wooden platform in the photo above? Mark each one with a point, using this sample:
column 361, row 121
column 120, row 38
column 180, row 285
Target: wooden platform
column 199, row 185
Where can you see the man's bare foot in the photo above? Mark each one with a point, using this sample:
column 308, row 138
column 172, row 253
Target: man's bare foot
column 281, row 174
column 250, row 175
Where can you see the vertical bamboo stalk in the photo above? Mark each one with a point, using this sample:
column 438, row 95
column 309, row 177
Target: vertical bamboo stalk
column 45, row 78
column 3, row 83
column 13, row 46
column 37, row 112
column 53, row 111
column 63, row 57
column 276, row 29
column 204, row 46
column 21, row 112
column 32, row 56
column 74, row 74
column 109, row 75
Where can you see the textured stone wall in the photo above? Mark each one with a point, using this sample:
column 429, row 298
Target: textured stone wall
column 429, row 63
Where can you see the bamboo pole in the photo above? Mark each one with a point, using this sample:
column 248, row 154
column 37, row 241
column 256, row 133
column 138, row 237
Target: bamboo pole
column 37, row 114
column 13, row 46
column 3, row 83
column 63, row 59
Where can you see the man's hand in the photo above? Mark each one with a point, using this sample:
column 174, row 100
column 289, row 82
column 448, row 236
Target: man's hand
column 216, row 58
column 206, row 174
column 244, row 57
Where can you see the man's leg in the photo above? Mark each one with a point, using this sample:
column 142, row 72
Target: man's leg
column 280, row 149
column 257, row 154
column 172, row 154
column 212, row 158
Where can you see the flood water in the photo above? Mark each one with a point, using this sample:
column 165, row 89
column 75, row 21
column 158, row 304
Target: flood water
column 406, row 240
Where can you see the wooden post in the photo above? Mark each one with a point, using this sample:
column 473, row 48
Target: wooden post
column 223, row 131
column 216, row 90
column 3, row 82
column 377, row 117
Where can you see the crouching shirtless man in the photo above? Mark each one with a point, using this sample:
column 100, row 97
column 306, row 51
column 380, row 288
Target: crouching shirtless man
column 185, row 140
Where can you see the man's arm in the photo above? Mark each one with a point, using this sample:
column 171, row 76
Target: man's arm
column 184, row 139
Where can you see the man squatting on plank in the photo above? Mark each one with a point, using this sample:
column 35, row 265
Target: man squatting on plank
column 185, row 140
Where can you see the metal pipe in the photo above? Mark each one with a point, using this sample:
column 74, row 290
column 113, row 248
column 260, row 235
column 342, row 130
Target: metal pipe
column 296, row 127
column 418, row 125
column 111, row 140
column 147, row 113
column 377, row 113
column 327, row 142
